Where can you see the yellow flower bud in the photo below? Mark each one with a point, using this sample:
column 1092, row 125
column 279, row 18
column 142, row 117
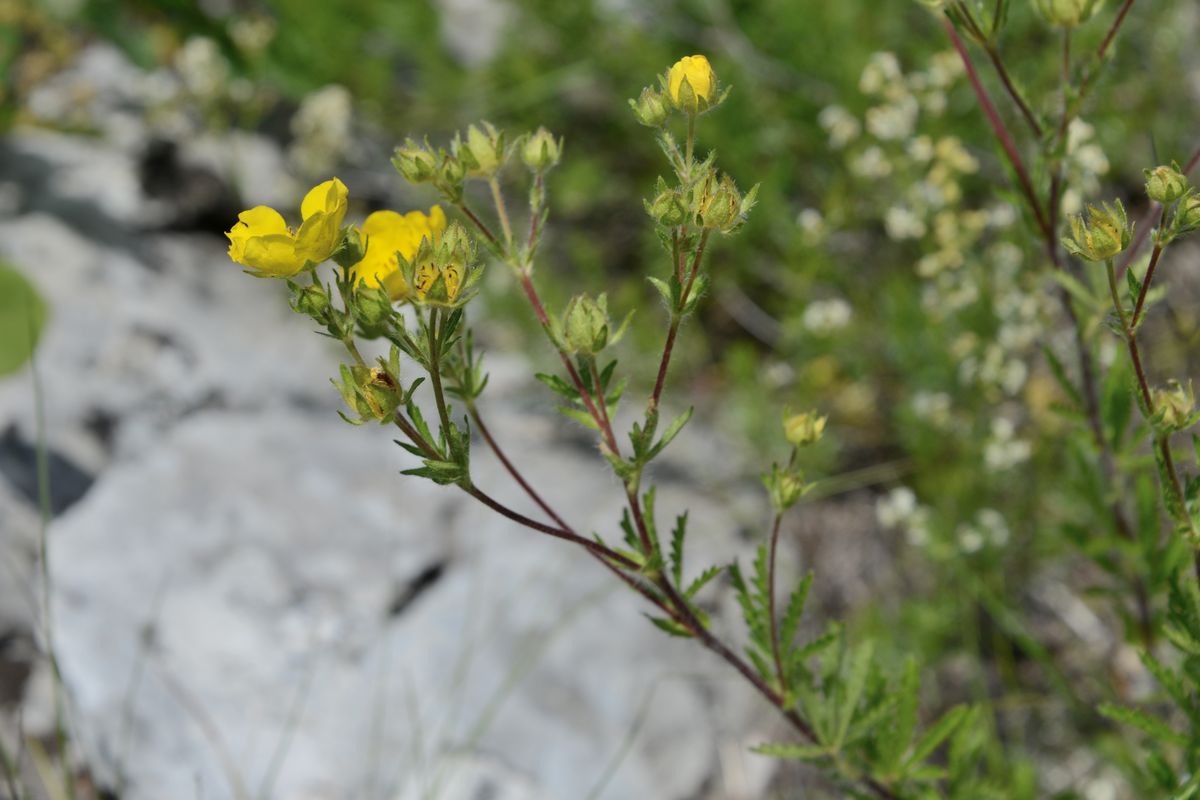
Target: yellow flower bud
column 692, row 84
column 803, row 429
column 262, row 241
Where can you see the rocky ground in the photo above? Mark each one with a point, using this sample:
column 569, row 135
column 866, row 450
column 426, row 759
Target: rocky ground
column 249, row 601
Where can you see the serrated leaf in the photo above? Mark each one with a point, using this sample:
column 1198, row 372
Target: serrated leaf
column 582, row 417
column 558, row 385
column 670, row 626
column 855, row 681
column 935, row 735
column 702, row 580
column 1151, row 726
column 670, row 433
column 817, row 645
column 792, row 752
column 1170, row 680
column 904, row 724
column 678, row 534
column 795, row 610
column 868, row 720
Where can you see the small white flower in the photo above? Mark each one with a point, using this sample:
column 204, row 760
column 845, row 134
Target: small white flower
column 871, row 163
column 842, row 126
column 823, row 317
column 901, row 223
column 881, row 70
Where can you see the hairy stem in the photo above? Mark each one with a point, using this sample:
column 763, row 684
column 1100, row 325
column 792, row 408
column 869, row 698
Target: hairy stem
column 501, row 210
column 999, row 129
column 676, row 319
column 512, row 470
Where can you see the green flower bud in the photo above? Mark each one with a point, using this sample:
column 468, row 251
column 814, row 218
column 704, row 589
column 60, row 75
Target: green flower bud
column 417, row 163
column 482, row 154
column 668, row 208
column 1166, row 184
column 785, row 487
column 451, row 172
column 352, row 248
column 1174, row 407
column 1067, row 13
column 721, row 205
column 650, row 108
column 311, row 300
column 371, row 306
column 1106, row 233
column 541, row 151
column 803, row 429
column 442, row 270
column 585, row 324
column 1187, row 216
column 373, row 393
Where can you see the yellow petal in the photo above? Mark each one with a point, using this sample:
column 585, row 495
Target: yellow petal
column 257, row 221
column 274, row 255
column 318, row 237
column 327, row 197
column 699, row 74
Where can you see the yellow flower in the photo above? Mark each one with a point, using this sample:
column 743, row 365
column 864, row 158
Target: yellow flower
column 390, row 235
column 691, row 83
column 262, row 241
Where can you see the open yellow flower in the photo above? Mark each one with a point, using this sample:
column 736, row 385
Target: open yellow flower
column 262, row 240
column 390, row 234
column 691, row 83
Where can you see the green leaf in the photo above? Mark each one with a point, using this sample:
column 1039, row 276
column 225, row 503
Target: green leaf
column 900, row 733
column 1151, row 726
column 663, row 289
column 702, row 581
column 856, row 681
column 1170, row 680
column 793, row 752
column 937, row 733
column 817, row 645
column 673, row 430
column 795, row 609
column 1060, row 374
column 865, row 722
column 670, row 626
column 677, row 536
column 1078, row 290
column 22, row 315
column 582, row 417
column 558, row 385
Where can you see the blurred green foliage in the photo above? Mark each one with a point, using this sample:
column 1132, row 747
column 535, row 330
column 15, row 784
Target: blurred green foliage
column 22, row 314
